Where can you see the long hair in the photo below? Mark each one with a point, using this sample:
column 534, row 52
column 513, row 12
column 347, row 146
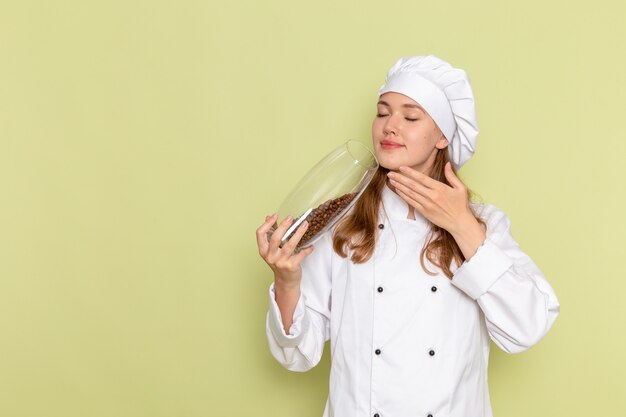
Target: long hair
column 357, row 231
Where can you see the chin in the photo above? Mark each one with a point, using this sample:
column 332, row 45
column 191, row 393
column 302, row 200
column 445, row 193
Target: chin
column 391, row 163
column 390, row 167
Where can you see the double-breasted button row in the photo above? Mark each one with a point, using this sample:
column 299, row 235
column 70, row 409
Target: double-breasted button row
column 433, row 289
column 430, row 352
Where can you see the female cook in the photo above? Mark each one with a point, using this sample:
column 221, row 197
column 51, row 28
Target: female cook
column 414, row 282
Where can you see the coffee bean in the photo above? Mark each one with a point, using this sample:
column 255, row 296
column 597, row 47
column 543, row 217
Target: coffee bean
column 319, row 217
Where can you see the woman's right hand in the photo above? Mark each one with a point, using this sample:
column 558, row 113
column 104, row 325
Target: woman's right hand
column 282, row 261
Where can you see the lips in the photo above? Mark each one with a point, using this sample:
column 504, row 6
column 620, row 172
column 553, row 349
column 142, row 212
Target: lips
column 390, row 144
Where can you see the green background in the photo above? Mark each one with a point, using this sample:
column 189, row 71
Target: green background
column 143, row 142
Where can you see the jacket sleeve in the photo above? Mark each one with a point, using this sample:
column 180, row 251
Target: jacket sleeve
column 518, row 303
column 302, row 348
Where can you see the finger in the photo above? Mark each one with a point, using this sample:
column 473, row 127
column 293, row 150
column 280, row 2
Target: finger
column 303, row 254
column 261, row 234
column 419, row 177
column 279, row 233
column 418, row 189
column 419, row 205
column 451, row 176
column 293, row 241
column 267, row 224
column 399, row 179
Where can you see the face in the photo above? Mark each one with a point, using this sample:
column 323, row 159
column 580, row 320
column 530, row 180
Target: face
column 404, row 134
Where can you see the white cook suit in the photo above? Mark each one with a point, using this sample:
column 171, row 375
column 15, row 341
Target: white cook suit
column 404, row 343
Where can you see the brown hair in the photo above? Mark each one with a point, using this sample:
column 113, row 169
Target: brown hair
column 357, row 230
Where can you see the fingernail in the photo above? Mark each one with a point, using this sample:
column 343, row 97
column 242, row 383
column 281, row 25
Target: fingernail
column 289, row 218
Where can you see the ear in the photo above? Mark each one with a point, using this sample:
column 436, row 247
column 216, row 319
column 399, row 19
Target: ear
column 442, row 142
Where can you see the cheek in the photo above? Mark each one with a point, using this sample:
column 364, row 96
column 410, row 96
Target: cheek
column 420, row 143
column 421, row 137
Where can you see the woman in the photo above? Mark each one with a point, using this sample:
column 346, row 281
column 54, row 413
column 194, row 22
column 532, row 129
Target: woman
column 411, row 286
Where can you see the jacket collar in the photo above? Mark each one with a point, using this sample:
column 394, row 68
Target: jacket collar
column 396, row 208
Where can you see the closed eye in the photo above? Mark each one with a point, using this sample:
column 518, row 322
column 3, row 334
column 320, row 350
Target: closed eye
column 384, row 115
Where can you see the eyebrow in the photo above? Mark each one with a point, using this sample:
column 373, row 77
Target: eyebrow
column 411, row 106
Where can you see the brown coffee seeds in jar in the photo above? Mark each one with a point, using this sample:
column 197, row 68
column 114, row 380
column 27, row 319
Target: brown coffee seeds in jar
column 318, row 218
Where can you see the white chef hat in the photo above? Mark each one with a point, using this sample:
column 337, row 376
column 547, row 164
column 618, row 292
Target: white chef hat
column 445, row 93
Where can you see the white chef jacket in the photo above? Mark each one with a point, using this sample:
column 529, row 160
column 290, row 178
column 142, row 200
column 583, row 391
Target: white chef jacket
column 404, row 343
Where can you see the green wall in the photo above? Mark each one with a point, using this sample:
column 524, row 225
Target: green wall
column 143, row 142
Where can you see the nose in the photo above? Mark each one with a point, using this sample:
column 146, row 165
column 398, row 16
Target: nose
column 390, row 126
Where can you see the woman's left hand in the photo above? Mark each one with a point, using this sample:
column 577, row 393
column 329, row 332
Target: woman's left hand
column 444, row 205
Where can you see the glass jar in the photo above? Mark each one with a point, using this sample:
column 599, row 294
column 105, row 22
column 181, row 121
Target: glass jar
column 327, row 192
